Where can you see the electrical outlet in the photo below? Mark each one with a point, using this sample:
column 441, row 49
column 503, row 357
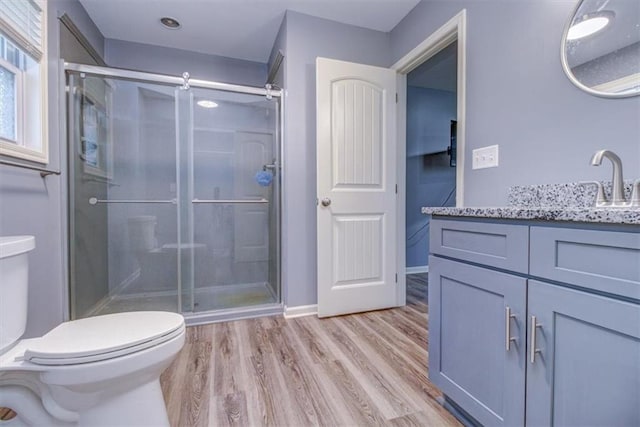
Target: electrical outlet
column 485, row 157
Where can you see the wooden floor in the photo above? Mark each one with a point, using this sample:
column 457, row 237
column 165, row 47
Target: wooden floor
column 363, row 369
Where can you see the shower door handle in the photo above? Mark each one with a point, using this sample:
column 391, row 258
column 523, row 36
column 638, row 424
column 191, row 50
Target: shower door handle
column 228, row 202
column 95, row 201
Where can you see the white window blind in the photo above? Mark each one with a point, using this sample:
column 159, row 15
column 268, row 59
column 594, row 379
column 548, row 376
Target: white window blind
column 21, row 20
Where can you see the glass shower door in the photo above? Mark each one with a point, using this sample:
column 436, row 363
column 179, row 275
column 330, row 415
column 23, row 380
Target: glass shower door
column 123, row 191
column 232, row 201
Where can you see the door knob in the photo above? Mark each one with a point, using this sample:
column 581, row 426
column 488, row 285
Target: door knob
column 326, row 202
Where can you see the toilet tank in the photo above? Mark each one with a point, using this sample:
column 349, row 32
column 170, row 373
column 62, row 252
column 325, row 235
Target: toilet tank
column 14, row 280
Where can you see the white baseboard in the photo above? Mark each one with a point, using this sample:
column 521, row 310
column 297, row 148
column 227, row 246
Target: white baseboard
column 300, row 310
column 418, row 269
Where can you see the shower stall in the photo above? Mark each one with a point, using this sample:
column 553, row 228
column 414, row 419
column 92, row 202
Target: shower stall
column 174, row 195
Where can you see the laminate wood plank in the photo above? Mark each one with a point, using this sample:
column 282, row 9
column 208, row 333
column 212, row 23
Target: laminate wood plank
column 415, row 376
column 421, row 419
column 272, row 391
column 316, row 350
column 355, row 396
column 232, row 410
column 258, row 336
column 407, row 328
column 195, row 410
column 256, row 411
column 372, row 366
column 7, row 414
column 408, row 349
column 353, row 360
column 225, row 358
column 199, row 334
column 312, row 407
column 312, row 353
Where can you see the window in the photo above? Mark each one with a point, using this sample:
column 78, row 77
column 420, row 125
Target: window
column 23, row 133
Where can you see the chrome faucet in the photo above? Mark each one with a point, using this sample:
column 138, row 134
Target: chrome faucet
column 617, row 192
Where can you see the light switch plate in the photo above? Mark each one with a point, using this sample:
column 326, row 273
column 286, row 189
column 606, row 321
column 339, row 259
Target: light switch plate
column 485, row 157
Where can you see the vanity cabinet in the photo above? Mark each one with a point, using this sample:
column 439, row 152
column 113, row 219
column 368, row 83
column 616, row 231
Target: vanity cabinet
column 554, row 340
column 472, row 363
column 586, row 371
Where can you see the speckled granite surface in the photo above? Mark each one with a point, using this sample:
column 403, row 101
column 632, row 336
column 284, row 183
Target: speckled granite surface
column 575, row 214
column 552, row 202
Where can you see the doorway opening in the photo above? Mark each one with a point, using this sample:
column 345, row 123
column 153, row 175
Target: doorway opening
column 431, row 148
column 431, row 139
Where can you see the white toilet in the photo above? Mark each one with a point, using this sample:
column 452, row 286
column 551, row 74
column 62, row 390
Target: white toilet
column 99, row 371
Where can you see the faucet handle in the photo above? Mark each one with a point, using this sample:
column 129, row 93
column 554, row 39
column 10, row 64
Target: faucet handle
column 601, row 199
column 635, row 194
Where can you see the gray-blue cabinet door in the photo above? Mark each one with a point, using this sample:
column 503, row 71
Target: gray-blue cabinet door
column 469, row 359
column 586, row 371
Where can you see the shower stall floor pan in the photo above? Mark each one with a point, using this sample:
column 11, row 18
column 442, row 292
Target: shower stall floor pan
column 210, row 302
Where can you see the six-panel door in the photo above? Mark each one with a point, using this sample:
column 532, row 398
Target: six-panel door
column 469, row 330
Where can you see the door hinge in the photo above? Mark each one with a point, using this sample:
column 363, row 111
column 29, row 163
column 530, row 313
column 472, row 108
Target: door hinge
column 396, row 277
column 396, row 188
column 396, row 97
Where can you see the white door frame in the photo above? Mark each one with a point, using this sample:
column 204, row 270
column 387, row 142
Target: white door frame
column 454, row 29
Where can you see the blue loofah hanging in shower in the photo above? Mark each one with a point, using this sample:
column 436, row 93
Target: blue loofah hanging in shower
column 264, row 178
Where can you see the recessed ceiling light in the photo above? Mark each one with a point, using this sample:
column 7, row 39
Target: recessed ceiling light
column 205, row 103
column 170, row 23
column 589, row 25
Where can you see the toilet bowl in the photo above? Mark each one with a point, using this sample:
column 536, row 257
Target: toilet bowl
column 101, row 370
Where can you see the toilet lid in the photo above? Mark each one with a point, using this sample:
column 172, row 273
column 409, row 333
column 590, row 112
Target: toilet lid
column 104, row 337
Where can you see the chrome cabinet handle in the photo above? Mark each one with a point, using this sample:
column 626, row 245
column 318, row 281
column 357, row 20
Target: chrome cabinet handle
column 326, row 202
column 508, row 337
column 532, row 348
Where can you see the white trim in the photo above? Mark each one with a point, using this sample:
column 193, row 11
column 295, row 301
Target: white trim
column 418, row 269
column 23, row 150
column 300, row 310
column 401, row 197
column 454, row 30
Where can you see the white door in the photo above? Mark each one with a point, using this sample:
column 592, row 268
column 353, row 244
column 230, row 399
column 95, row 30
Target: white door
column 356, row 180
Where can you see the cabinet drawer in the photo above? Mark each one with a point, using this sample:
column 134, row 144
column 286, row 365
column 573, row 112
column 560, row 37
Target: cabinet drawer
column 498, row 245
column 605, row 261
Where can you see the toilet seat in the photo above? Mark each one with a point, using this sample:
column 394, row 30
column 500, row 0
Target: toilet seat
column 103, row 337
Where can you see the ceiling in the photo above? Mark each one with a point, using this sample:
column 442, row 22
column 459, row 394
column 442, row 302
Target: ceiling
column 243, row 29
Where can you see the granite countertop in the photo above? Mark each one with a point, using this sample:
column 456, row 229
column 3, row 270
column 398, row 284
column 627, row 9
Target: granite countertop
column 575, row 214
column 550, row 202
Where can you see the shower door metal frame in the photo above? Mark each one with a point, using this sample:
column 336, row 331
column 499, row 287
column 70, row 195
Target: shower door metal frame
column 141, row 76
column 175, row 81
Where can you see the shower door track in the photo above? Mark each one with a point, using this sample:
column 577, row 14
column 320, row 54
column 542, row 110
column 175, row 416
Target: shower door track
column 143, row 76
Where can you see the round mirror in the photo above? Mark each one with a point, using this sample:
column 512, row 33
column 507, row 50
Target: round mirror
column 601, row 47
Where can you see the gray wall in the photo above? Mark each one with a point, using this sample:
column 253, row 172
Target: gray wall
column 431, row 181
column 164, row 60
column 519, row 97
column 307, row 38
column 32, row 205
